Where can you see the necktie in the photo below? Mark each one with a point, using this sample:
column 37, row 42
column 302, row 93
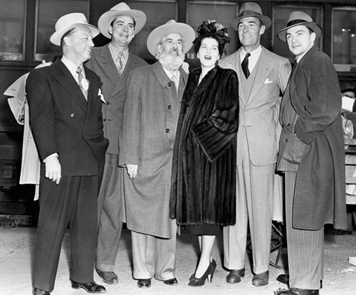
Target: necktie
column 244, row 65
column 175, row 80
column 119, row 64
column 81, row 81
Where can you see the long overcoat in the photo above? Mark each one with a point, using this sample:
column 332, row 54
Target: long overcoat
column 314, row 142
column 204, row 157
column 148, row 132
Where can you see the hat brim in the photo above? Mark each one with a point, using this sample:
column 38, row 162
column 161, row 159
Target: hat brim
column 57, row 35
column 107, row 17
column 311, row 25
column 157, row 34
column 266, row 21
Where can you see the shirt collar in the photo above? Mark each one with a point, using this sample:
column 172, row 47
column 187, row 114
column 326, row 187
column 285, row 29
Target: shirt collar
column 72, row 67
column 253, row 53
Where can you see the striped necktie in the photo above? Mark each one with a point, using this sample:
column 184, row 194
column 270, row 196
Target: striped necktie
column 81, row 81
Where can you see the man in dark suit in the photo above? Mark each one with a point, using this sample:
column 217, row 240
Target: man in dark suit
column 113, row 63
column 66, row 121
column 311, row 155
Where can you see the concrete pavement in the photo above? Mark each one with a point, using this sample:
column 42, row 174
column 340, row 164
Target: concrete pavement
column 16, row 258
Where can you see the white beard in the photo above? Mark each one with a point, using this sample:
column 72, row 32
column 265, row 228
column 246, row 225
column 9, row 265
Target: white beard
column 171, row 60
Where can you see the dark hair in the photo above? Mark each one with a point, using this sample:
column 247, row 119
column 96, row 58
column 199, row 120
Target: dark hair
column 212, row 29
column 112, row 23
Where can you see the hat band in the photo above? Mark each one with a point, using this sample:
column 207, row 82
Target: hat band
column 249, row 13
column 296, row 21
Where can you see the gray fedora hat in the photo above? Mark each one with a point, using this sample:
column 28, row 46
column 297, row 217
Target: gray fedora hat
column 251, row 9
column 299, row 18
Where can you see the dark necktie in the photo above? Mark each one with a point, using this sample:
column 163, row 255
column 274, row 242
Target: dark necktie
column 244, row 65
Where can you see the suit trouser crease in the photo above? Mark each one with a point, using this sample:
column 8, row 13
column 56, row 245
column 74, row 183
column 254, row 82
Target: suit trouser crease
column 254, row 203
column 305, row 247
column 154, row 256
column 71, row 202
column 110, row 214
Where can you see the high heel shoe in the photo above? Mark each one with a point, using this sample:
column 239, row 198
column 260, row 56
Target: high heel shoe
column 208, row 275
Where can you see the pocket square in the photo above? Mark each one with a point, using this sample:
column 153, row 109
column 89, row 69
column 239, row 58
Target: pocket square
column 268, row 81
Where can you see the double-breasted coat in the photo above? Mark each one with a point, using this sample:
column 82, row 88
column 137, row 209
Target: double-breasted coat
column 204, row 160
column 148, row 132
column 312, row 143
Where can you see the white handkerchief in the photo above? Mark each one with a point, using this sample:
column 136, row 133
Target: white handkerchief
column 268, row 81
column 101, row 96
column 347, row 104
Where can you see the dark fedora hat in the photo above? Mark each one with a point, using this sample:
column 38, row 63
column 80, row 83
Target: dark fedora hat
column 251, row 9
column 299, row 18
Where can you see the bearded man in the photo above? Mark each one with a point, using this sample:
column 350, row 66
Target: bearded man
column 151, row 110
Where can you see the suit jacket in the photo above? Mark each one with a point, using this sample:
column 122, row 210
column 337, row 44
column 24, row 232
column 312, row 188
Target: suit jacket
column 259, row 108
column 312, row 143
column 64, row 122
column 114, row 90
column 148, row 132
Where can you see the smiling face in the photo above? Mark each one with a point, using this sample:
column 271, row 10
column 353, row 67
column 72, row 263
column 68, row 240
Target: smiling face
column 170, row 51
column 79, row 44
column 122, row 30
column 299, row 40
column 250, row 30
column 208, row 53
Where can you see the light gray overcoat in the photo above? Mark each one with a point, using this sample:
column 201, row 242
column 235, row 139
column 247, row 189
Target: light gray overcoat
column 148, row 131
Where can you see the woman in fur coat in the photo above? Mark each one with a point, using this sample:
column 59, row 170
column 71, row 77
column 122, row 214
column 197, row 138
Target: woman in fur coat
column 204, row 158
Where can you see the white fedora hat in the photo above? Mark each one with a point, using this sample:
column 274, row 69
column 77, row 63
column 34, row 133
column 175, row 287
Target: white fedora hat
column 69, row 21
column 299, row 18
column 120, row 9
column 171, row 26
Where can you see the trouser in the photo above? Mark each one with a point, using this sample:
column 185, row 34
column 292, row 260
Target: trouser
column 154, row 256
column 305, row 247
column 110, row 214
column 72, row 202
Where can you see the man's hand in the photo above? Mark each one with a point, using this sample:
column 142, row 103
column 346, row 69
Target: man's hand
column 132, row 170
column 53, row 169
column 185, row 67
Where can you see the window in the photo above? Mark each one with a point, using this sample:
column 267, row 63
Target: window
column 222, row 12
column 49, row 11
column 158, row 13
column 280, row 19
column 344, row 39
column 12, row 16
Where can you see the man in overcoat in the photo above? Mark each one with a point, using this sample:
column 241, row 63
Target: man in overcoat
column 149, row 125
column 113, row 63
column 257, row 144
column 311, row 155
column 66, row 121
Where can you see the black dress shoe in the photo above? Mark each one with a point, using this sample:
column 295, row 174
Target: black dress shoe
column 171, row 282
column 37, row 291
column 260, row 279
column 296, row 291
column 90, row 287
column 144, row 283
column 108, row 277
column 283, row 278
column 235, row 276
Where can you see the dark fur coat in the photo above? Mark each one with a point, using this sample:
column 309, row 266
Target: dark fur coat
column 204, row 157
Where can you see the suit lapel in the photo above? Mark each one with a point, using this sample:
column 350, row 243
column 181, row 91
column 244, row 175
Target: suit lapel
column 65, row 78
column 121, row 82
column 263, row 67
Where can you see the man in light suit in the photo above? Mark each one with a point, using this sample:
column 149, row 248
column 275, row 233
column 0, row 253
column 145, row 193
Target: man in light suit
column 113, row 63
column 151, row 111
column 66, row 121
column 311, row 155
column 263, row 76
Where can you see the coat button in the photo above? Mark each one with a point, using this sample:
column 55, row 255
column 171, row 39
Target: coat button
column 72, row 115
column 167, row 130
column 169, row 84
column 169, row 107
